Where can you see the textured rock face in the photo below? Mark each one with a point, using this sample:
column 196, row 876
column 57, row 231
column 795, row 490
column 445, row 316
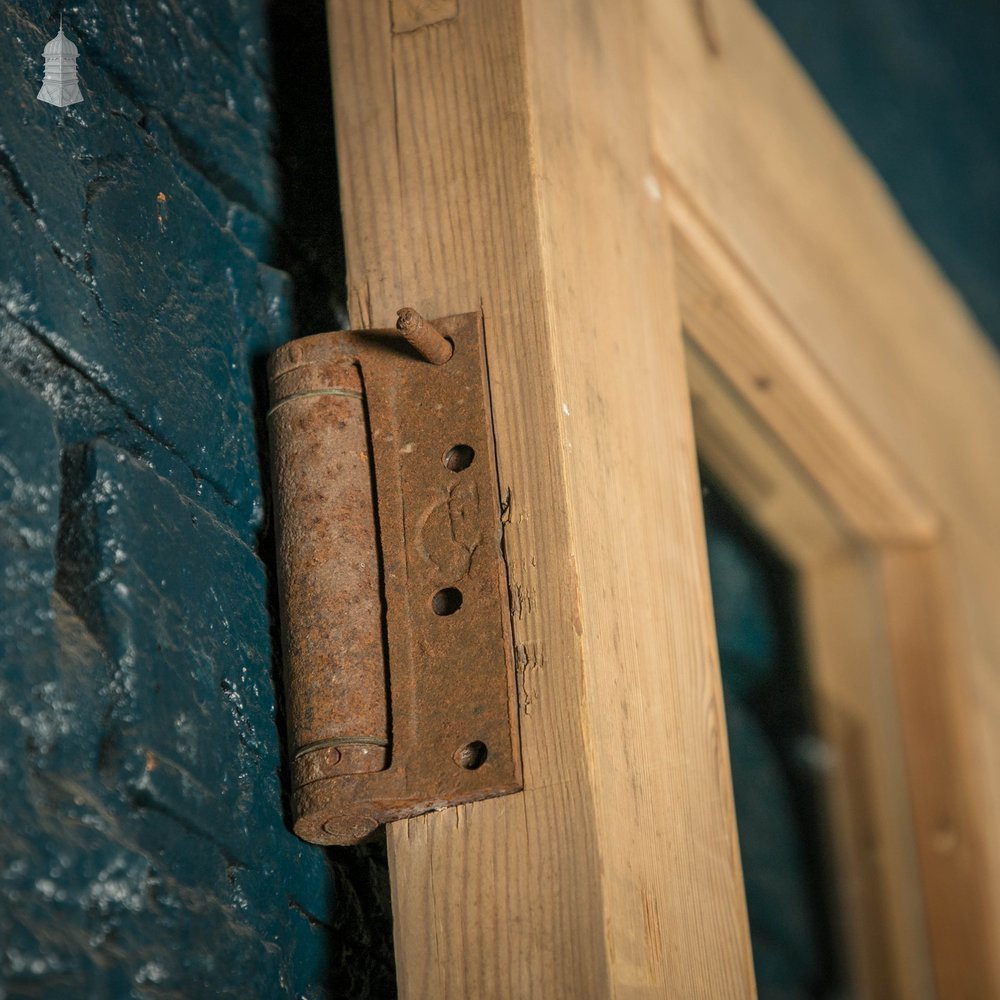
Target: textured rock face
column 143, row 845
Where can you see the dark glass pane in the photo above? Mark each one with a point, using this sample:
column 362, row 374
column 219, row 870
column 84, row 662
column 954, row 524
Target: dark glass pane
column 776, row 758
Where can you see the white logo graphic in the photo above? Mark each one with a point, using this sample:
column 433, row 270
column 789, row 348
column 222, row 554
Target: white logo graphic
column 60, row 85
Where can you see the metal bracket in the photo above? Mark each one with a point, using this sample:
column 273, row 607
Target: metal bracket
column 400, row 691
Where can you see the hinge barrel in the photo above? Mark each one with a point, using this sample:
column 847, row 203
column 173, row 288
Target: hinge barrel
column 336, row 699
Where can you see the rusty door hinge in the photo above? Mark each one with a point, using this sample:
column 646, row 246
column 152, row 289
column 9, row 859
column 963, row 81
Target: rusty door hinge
column 399, row 686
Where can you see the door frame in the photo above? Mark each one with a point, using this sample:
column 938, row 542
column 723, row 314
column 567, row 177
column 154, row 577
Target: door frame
column 533, row 160
column 881, row 629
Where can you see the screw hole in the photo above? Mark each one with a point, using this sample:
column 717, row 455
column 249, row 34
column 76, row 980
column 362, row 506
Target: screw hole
column 472, row 756
column 459, row 457
column 446, row 601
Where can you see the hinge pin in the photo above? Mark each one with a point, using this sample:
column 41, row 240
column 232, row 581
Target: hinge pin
column 423, row 337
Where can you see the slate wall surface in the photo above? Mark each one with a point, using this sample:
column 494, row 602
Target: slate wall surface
column 143, row 842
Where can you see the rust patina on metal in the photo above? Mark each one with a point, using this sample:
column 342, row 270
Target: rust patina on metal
column 399, row 679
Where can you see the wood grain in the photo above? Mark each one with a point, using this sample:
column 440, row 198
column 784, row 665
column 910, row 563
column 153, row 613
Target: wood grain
column 745, row 141
column 525, row 157
column 926, row 638
column 756, row 350
column 410, row 15
column 888, row 679
column 501, row 159
column 757, row 470
column 848, row 655
column 849, row 658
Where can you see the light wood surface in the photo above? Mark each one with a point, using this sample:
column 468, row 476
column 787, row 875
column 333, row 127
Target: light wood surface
column 926, row 636
column 744, row 137
column 877, row 871
column 752, row 152
column 747, row 339
column 756, row 469
column 500, row 158
column 530, row 158
column 884, row 632
column 846, row 646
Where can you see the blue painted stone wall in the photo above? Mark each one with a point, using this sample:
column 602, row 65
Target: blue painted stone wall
column 144, row 850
